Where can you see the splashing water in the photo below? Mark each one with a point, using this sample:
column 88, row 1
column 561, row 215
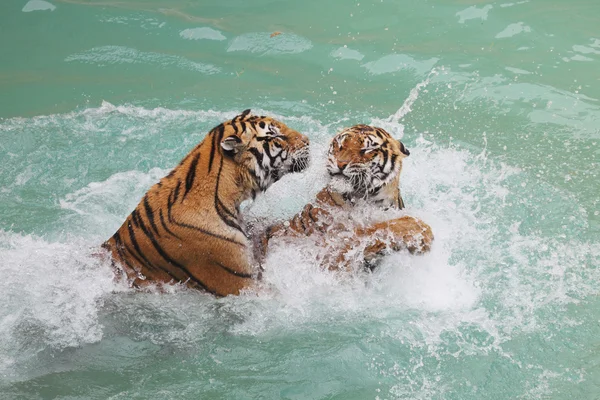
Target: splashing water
column 484, row 287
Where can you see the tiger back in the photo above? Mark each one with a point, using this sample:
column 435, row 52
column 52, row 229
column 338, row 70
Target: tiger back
column 364, row 164
column 188, row 227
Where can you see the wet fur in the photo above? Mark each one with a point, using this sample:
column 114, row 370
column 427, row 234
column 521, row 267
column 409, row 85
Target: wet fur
column 364, row 163
column 188, row 228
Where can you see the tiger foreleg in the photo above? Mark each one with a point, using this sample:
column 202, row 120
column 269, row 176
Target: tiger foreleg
column 397, row 234
column 309, row 221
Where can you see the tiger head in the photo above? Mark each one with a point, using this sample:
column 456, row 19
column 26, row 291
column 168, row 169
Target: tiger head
column 267, row 148
column 365, row 162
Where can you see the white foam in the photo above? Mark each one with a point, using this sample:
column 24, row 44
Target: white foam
column 55, row 293
column 202, row 33
column 50, row 294
column 38, row 5
column 102, row 204
column 474, row 13
column 345, row 53
column 513, row 29
column 517, row 71
column 399, row 62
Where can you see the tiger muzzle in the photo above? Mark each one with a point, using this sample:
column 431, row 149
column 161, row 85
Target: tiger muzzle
column 300, row 163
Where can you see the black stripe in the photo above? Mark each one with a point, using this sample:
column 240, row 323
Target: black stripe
column 164, row 225
column 231, row 218
column 223, row 207
column 169, row 259
column 170, row 203
column 191, row 174
column 375, row 191
column 227, row 219
column 196, row 228
column 119, row 247
column 234, row 272
column 176, row 192
column 150, row 214
column 175, row 278
column 132, row 254
column 385, row 159
column 213, row 148
column 184, row 225
column 135, row 217
column 136, row 246
column 257, row 154
column 267, row 150
column 217, row 136
column 254, row 176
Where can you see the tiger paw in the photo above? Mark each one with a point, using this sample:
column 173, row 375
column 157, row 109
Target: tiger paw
column 410, row 233
column 398, row 234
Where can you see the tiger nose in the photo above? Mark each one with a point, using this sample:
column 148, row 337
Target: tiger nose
column 342, row 165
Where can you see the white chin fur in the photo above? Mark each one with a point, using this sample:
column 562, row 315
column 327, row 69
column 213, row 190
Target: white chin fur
column 340, row 185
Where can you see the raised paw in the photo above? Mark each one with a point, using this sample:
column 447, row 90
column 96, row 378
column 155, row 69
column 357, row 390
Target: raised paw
column 401, row 233
column 412, row 233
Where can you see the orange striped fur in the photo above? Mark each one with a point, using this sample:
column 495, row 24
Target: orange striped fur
column 364, row 163
column 188, row 228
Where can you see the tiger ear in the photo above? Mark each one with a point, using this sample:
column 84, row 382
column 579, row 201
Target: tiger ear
column 403, row 149
column 231, row 144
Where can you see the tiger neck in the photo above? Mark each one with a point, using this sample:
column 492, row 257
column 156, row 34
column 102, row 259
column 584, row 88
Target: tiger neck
column 233, row 185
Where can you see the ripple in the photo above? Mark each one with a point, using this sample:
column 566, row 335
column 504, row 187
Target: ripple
column 114, row 55
column 263, row 43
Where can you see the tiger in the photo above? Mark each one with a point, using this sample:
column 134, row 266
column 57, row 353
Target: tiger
column 364, row 164
column 188, row 227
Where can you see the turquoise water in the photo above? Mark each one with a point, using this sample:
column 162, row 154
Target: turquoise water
column 498, row 103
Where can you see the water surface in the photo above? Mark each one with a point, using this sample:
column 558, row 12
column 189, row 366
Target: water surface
column 497, row 102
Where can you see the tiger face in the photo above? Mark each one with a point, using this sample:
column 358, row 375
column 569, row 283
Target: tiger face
column 266, row 147
column 365, row 162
